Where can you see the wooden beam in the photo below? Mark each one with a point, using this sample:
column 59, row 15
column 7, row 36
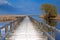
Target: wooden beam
column 10, row 27
column 6, row 32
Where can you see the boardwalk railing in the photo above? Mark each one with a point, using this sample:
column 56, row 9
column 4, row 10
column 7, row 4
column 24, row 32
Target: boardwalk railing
column 40, row 26
column 53, row 28
column 13, row 25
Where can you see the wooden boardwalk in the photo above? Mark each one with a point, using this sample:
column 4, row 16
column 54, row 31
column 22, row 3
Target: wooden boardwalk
column 26, row 31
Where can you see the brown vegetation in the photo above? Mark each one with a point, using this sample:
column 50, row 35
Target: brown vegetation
column 56, row 18
column 7, row 18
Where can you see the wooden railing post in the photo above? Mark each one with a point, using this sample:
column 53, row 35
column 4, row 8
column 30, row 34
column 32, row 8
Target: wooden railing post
column 6, row 32
column 13, row 28
column 0, row 35
column 19, row 20
column 53, row 34
column 10, row 27
column 15, row 24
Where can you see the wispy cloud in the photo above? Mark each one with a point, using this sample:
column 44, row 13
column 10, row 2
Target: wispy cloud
column 25, row 6
column 5, row 2
column 7, row 7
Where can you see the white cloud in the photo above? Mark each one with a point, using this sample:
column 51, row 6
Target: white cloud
column 4, row 2
column 24, row 6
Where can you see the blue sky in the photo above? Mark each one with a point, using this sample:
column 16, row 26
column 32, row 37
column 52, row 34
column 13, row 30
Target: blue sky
column 25, row 6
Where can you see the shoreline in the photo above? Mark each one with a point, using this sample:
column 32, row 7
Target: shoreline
column 56, row 18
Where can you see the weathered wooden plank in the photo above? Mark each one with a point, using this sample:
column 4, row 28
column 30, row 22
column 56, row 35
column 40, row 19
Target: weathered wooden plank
column 6, row 31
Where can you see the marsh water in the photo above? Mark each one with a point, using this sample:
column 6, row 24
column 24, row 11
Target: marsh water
column 54, row 22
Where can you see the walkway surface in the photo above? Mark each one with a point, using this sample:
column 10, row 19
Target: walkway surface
column 27, row 31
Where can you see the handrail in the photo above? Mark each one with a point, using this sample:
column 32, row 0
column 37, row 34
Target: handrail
column 46, row 32
column 15, row 22
column 6, row 25
column 52, row 27
column 32, row 19
column 48, row 35
column 9, row 23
